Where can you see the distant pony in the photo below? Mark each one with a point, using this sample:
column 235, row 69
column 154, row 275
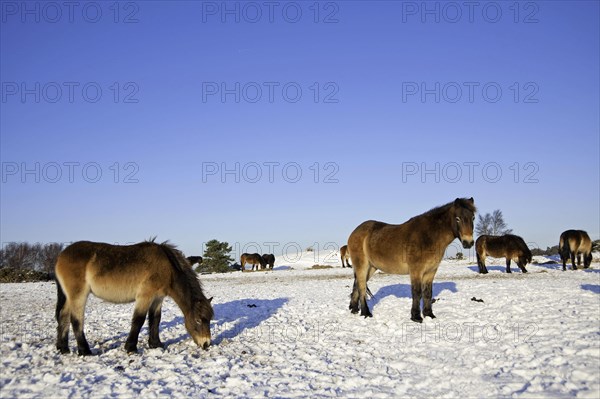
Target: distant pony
column 194, row 259
column 253, row 259
column 508, row 246
column 269, row 260
column 575, row 243
column 345, row 255
column 145, row 273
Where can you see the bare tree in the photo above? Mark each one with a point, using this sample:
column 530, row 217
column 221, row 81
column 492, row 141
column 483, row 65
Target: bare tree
column 22, row 255
column 19, row 256
column 49, row 255
column 492, row 224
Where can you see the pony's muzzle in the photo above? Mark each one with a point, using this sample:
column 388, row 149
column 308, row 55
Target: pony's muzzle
column 203, row 342
column 467, row 243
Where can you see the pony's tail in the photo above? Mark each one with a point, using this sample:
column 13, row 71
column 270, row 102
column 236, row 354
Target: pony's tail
column 563, row 248
column 60, row 300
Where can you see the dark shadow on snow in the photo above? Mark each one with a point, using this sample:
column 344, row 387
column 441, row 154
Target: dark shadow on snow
column 233, row 318
column 559, row 266
column 595, row 288
column 513, row 267
column 404, row 291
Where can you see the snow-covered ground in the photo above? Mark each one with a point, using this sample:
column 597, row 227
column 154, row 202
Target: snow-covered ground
column 289, row 333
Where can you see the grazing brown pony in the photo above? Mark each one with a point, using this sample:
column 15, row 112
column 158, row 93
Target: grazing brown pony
column 253, row 259
column 345, row 255
column 575, row 243
column 145, row 273
column 508, row 246
column 415, row 247
column 269, row 260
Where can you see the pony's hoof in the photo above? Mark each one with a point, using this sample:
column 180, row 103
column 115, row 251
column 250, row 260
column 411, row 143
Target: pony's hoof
column 84, row 352
column 131, row 348
column 418, row 319
column 155, row 345
column 63, row 351
column 367, row 315
column 354, row 311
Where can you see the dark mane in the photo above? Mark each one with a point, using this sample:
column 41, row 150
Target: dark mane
column 440, row 210
column 187, row 279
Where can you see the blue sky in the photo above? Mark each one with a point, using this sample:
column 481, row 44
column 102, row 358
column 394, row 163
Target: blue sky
column 116, row 115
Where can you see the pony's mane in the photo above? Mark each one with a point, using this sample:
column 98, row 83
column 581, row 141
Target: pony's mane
column 185, row 275
column 462, row 202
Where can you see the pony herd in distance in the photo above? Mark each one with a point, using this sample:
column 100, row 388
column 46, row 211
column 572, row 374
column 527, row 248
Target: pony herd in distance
column 147, row 272
column 264, row 262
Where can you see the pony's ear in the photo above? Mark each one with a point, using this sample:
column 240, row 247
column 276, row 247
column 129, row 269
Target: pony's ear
column 210, row 299
column 457, row 201
column 472, row 200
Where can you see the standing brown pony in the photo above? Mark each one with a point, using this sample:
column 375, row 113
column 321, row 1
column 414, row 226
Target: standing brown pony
column 253, row 259
column 345, row 255
column 144, row 273
column 575, row 243
column 508, row 246
column 415, row 247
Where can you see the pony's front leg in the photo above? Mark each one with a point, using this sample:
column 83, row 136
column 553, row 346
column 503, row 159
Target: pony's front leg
column 428, row 299
column 154, row 315
column 508, row 266
column 522, row 267
column 417, row 290
column 139, row 317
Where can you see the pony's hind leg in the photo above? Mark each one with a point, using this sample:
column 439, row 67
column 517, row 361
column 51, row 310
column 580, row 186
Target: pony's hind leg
column 63, row 316
column 481, row 264
column 359, row 291
column 154, row 315
column 62, row 331
column 573, row 261
column 77, row 308
column 354, row 297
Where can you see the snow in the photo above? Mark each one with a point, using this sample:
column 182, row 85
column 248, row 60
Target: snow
column 289, row 333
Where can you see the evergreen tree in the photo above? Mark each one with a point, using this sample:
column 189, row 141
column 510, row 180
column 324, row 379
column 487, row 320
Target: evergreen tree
column 216, row 258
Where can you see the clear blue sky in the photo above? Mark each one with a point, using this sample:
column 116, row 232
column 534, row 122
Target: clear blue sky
column 400, row 87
